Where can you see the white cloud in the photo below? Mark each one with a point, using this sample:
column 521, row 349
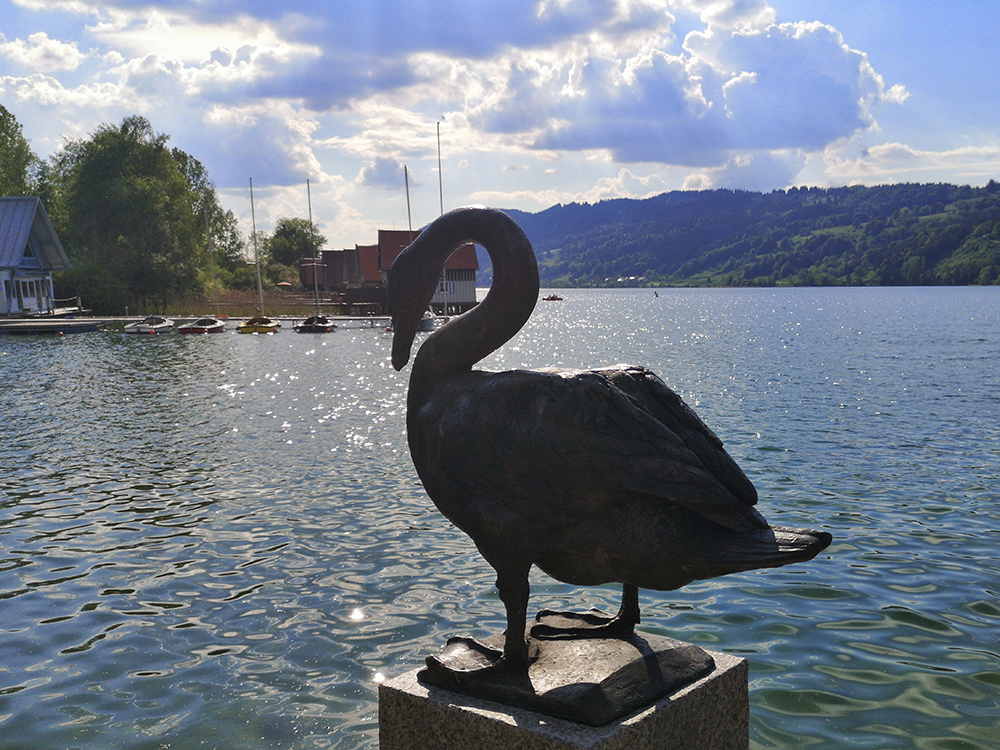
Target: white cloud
column 384, row 172
column 698, row 181
column 42, row 54
column 271, row 143
column 68, row 6
column 530, row 199
column 155, row 76
column 897, row 162
column 730, row 14
column 625, row 184
column 48, row 91
column 179, row 35
column 756, row 171
column 592, row 76
column 772, row 87
column 897, row 94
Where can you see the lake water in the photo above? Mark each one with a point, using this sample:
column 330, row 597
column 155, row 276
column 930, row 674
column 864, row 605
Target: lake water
column 220, row 542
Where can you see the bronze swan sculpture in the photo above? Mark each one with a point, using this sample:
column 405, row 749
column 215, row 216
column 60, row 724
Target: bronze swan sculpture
column 593, row 476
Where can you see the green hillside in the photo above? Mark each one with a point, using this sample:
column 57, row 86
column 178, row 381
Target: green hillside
column 887, row 235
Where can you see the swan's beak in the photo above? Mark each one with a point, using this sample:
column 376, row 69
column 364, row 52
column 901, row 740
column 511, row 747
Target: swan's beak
column 411, row 287
column 403, row 333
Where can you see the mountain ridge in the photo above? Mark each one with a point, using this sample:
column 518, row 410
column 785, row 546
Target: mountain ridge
column 905, row 234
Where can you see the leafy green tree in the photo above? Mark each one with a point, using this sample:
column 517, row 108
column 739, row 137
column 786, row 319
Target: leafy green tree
column 293, row 239
column 17, row 160
column 134, row 218
column 228, row 243
column 226, row 253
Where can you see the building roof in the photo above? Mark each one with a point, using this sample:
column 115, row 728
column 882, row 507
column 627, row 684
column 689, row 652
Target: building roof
column 465, row 257
column 24, row 221
column 391, row 242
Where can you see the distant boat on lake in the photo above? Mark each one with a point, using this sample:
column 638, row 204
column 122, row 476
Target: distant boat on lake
column 428, row 322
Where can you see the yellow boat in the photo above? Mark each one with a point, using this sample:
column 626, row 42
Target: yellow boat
column 258, row 324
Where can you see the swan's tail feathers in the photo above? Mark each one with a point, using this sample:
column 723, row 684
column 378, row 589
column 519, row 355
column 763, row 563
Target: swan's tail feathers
column 771, row 548
column 801, row 544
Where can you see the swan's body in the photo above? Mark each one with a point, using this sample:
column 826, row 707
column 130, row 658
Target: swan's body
column 593, row 476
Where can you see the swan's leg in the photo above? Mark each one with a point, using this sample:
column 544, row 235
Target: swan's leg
column 514, row 591
column 513, row 587
column 591, row 624
column 629, row 611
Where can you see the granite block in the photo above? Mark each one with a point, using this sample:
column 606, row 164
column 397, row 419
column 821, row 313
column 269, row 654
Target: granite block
column 712, row 713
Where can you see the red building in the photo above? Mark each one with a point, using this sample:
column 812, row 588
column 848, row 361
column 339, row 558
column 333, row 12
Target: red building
column 359, row 276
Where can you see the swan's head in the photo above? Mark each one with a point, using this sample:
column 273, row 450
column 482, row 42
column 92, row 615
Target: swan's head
column 413, row 280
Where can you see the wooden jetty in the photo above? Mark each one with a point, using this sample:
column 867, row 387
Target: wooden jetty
column 39, row 326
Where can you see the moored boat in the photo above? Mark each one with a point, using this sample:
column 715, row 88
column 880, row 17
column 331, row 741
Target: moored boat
column 203, row 325
column 152, row 324
column 428, row 322
column 315, row 324
column 258, row 324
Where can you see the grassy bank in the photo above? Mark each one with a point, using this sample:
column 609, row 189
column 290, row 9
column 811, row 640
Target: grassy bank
column 233, row 304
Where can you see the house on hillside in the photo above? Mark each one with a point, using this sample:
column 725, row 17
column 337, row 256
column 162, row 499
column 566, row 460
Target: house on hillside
column 29, row 252
column 359, row 276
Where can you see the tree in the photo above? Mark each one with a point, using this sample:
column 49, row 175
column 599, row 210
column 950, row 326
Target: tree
column 228, row 243
column 293, row 239
column 134, row 218
column 228, row 250
column 17, row 160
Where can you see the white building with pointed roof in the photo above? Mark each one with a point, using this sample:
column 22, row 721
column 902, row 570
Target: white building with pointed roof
column 29, row 252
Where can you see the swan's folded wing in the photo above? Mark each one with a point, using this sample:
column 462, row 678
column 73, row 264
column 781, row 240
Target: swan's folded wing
column 669, row 409
column 584, row 444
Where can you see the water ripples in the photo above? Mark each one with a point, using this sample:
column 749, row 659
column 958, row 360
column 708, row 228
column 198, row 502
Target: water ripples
column 220, row 541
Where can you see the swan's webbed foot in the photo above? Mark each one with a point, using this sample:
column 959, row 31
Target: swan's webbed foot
column 552, row 625
column 466, row 660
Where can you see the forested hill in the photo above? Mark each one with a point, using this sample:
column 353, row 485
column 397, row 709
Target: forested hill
column 888, row 235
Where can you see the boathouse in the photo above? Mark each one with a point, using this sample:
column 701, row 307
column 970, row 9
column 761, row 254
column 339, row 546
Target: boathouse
column 456, row 290
column 29, row 252
column 359, row 276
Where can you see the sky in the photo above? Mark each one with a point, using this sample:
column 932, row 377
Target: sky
column 524, row 103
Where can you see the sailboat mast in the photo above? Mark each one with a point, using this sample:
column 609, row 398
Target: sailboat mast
column 256, row 252
column 315, row 275
column 409, row 220
column 211, row 255
column 440, row 178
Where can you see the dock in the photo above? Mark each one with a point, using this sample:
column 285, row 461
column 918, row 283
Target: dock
column 49, row 325
column 58, row 326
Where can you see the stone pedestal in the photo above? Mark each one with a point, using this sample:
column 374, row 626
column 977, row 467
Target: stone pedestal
column 712, row 713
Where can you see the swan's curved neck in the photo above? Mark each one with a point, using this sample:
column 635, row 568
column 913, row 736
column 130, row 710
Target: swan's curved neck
column 485, row 328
